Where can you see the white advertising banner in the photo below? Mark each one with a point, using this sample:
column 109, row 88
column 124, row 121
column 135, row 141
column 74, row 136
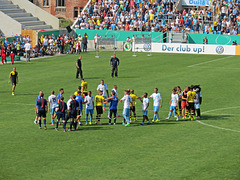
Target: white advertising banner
column 196, row 2
column 186, row 48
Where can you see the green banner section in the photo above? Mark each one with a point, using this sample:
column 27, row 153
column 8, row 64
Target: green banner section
column 213, row 39
column 119, row 35
column 47, row 33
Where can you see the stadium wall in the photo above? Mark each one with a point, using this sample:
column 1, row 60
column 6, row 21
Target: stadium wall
column 119, row 35
column 189, row 48
column 219, row 39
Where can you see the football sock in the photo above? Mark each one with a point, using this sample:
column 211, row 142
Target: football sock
column 64, row 125
column 128, row 119
column 57, row 124
column 143, row 118
column 198, row 112
column 86, row 119
column 157, row 116
column 110, row 120
column 90, row 117
column 44, row 121
column 169, row 115
column 135, row 117
column 40, row 123
column 75, row 124
column 174, row 112
column 115, row 120
column 71, row 123
column 52, row 120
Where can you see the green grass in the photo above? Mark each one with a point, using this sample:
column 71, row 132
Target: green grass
column 165, row 150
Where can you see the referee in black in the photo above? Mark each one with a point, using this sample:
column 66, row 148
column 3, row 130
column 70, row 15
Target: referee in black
column 79, row 67
column 114, row 62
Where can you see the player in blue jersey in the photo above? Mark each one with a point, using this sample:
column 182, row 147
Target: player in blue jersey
column 38, row 97
column 79, row 99
column 61, row 91
column 42, row 109
column 73, row 113
column 126, row 107
column 173, row 104
column 89, row 100
column 113, row 100
column 156, row 98
column 61, row 109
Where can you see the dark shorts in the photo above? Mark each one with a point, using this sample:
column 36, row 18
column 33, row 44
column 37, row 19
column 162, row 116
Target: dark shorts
column 73, row 114
column 60, row 115
column 114, row 112
column 42, row 114
column 132, row 108
column 99, row 109
column 14, row 82
column 191, row 106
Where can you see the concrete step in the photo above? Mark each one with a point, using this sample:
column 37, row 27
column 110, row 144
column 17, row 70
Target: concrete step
column 7, row 11
column 38, row 27
column 13, row 15
column 25, row 19
column 8, row 6
column 33, row 23
column 5, row 2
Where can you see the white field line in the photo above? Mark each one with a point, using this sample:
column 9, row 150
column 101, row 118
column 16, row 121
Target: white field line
column 217, row 127
column 224, row 68
column 218, row 59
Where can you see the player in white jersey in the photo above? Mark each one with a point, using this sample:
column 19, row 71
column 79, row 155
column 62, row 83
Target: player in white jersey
column 156, row 98
column 173, row 104
column 52, row 103
column 145, row 102
column 126, row 107
column 103, row 87
column 68, row 110
column 89, row 100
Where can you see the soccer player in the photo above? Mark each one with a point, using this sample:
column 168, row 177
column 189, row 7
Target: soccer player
column 145, row 102
column 99, row 106
column 14, row 78
column 41, row 109
column 179, row 107
column 79, row 99
column 156, row 98
column 68, row 109
column 173, row 104
column 84, row 86
column 184, row 101
column 126, row 107
column 38, row 97
column 198, row 100
column 79, row 67
column 73, row 113
column 103, row 87
column 89, row 100
column 76, row 92
column 133, row 105
column 61, row 92
column 113, row 100
column 52, row 103
column 61, row 108
column 191, row 95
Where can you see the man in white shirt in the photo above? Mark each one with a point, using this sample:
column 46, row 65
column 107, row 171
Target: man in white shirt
column 173, row 103
column 68, row 110
column 96, row 41
column 89, row 100
column 103, row 87
column 156, row 98
column 126, row 107
column 27, row 48
column 145, row 106
column 52, row 103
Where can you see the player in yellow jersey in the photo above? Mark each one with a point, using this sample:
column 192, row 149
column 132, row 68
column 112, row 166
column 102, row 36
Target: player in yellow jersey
column 76, row 92
column 14, row 78
column 132, row 105
column 84, row 86
column 99, row 100
column 191, row 95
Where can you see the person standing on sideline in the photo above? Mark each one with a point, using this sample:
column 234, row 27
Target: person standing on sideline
column 27, row 48
column 79, row 67
column 84, row 42
column 114, row 63
column 3, row 53
column 103, row 87
column 96, row 41
column 14, row 78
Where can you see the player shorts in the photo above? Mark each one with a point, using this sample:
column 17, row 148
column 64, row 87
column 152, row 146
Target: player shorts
column 191, row 106
column 145, row 113
column 61, row 115
column 73, row 114
column 197, row 105
column 42, row 114
column 14, row 82
column 52, row 111
column 3, row 56
column 156, row 108
column 126, row 112
column 99, row 109
column 114, row 112
column 183, row 105
column 133, row 109
column 79, row 112
column 87, row 111
column 172, row 108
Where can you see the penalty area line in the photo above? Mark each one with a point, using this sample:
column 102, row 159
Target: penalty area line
column 218, row 59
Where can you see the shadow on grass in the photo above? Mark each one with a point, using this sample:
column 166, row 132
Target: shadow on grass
column 128, row 77
column 217, row 118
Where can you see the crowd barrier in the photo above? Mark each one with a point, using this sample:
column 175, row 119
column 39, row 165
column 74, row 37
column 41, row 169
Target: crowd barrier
column 189, row 48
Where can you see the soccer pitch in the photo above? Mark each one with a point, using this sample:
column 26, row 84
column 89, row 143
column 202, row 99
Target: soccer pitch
column 205, row 149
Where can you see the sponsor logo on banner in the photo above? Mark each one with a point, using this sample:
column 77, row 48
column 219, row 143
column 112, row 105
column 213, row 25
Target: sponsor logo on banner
column 219, row 49
column 127, row 46
column 147, row 47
